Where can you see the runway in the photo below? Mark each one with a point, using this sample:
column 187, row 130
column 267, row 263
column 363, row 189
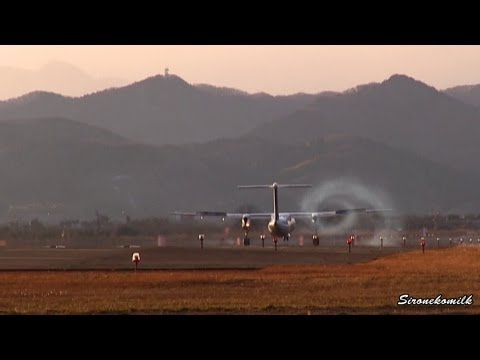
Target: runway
column 158, row 258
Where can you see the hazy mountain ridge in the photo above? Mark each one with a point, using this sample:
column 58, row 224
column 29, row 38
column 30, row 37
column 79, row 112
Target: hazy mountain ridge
column 399, row 136
column 400, row 112
column 159, row 110
column 469, row 94
column 54, row 131
column 301, row 97
column 84, row 168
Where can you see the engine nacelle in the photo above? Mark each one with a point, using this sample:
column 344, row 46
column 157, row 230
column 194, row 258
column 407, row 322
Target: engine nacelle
column 245, row 222
column 314, row 218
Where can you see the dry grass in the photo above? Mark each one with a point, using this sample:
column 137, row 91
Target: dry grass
column 362, row 288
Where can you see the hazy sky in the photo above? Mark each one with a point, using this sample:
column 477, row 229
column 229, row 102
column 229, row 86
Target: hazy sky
column 273, row 69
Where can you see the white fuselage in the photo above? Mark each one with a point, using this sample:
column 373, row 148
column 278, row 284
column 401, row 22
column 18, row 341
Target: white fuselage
column 281, row 227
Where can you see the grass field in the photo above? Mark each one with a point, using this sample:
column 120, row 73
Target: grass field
column 369, row 288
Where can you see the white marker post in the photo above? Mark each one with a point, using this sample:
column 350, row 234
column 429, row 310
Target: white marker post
column 349, row 243
column 262, row 237
column 136, row 259
column 422, row 242
column 201, row 237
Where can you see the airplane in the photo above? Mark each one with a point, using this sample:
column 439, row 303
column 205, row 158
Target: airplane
column 281, row 224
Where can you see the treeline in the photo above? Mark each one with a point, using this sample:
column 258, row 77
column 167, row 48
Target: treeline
column 102, row 231
column 442, row 222
column 99, row 232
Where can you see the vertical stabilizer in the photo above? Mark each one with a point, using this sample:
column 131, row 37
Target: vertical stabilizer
column 275, row 187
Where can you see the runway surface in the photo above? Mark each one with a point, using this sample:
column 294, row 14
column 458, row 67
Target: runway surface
column 184, row 257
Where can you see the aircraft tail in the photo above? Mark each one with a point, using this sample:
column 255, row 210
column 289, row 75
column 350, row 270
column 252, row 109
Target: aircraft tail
column 275, row 187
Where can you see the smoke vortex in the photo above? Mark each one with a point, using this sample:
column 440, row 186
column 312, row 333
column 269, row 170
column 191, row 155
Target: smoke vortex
column 347, row 194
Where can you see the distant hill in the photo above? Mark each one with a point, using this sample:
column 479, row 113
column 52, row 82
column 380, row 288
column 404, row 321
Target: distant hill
column 399, row 112
column 58, row 168
column 55, row 76
column 300, row 98
column 221, row 90
column 160, row 110
column 469, row 94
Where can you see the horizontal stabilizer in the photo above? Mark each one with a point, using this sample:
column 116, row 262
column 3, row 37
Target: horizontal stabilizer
column 274, row 185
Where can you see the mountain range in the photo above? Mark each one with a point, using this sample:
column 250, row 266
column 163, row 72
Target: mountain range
column 162, row 144
column 469, row 94
column 160, row 110
column 400, row 112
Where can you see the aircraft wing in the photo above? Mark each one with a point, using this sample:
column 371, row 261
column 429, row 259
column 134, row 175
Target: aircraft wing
column 320, row 214
column 317, row 214
column 222, row 214
column 235, row 215
column 181, row 213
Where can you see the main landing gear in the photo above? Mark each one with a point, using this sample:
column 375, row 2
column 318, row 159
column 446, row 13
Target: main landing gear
column 246, row 239
column 315, row 238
